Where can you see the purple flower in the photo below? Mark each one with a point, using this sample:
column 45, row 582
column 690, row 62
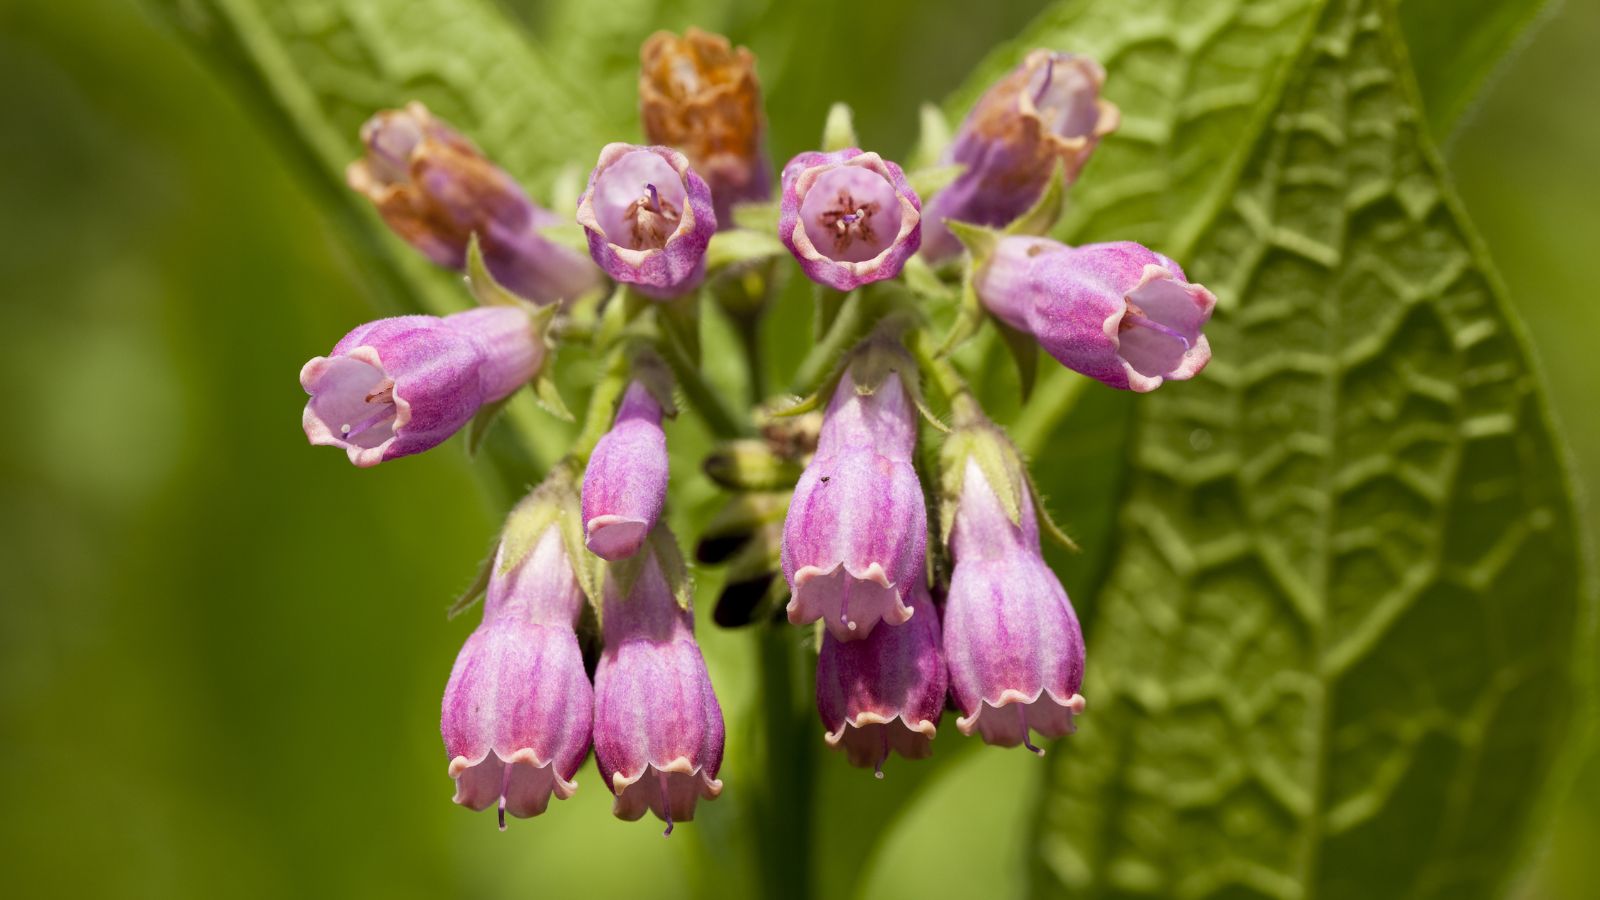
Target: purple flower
column 649, row 218
column 658, row 728
column 1116, row 312
column 849, row 217
column 435, row 189
column 700, row 94
column 1010, row 634
column 518, row 706
column 855, row 538
column 885, row 692
column 625, row 485
column 400, row 386
column 1045, row 112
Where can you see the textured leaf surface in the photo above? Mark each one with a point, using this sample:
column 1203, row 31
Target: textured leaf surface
column 1346, row 617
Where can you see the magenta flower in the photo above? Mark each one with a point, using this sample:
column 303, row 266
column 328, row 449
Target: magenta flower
column 518, row 707
column 885, row 692
column 435, row 189
column 658, row 728
column 1011, row 636
column 625, row 484
column 1047, row 112
column 849, row 217
column 400, row 386
column 1117, row 312
column 855, row 538
column 649, row 219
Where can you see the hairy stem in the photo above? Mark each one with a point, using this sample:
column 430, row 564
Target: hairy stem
column 783, row 811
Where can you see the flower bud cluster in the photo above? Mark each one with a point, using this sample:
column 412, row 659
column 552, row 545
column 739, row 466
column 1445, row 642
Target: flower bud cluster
column 828, row 523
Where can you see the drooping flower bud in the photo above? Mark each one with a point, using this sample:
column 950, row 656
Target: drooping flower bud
column 658, row 728
column 400, row 386
column 435, row 189
column 849, row 217
column 648, row 217
column 885, row 692
column 1047, row 112
column 855, row 538
column 699, row 94
column 518, row 707
column 625, row 484
column 1116, row 312
column 1011, row 637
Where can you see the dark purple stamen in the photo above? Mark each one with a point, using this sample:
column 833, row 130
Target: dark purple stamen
column 655, row 198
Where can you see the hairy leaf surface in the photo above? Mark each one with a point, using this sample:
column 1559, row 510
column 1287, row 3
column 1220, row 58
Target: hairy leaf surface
column 1346, row 617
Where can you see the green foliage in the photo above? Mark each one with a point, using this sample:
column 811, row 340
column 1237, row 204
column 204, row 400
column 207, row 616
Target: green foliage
column 1335, row 651
column 1336, row 655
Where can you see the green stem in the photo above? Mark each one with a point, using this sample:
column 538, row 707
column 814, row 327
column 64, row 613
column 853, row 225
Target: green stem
column 722, row 421
column 749, row 327
column 847, row 327
column 784, row 811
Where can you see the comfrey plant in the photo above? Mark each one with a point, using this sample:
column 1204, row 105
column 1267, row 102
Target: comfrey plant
column 875, row 504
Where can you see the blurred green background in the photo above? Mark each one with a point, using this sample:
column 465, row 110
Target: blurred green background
column 221, row 651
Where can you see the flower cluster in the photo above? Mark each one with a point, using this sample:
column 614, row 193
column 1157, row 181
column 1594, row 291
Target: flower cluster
column 827, row 522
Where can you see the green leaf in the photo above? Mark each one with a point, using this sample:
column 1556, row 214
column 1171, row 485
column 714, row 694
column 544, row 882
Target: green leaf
column 1341, row 645
column 1455, row 45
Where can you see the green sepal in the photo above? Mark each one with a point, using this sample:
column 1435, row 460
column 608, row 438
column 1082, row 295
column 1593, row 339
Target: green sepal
column 933, row 137
column 762, row 217
column 802, row 405
column 979, row 240
column 624, row 573
column 485, row 289
column 839, row 132
column 1025, row 352
column 533, row 516
column 549, row 396
column 475, row 591
column 931, row 180
column 748, row 464
column 478, row 428
column 1041, row 218
column 737, row 246
column 1041, row 511
column 978, row 439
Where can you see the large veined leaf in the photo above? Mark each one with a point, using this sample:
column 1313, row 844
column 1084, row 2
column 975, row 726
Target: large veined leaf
column 1346, row 622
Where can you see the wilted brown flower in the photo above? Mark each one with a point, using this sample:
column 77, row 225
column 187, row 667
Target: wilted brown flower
column 699, row 93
